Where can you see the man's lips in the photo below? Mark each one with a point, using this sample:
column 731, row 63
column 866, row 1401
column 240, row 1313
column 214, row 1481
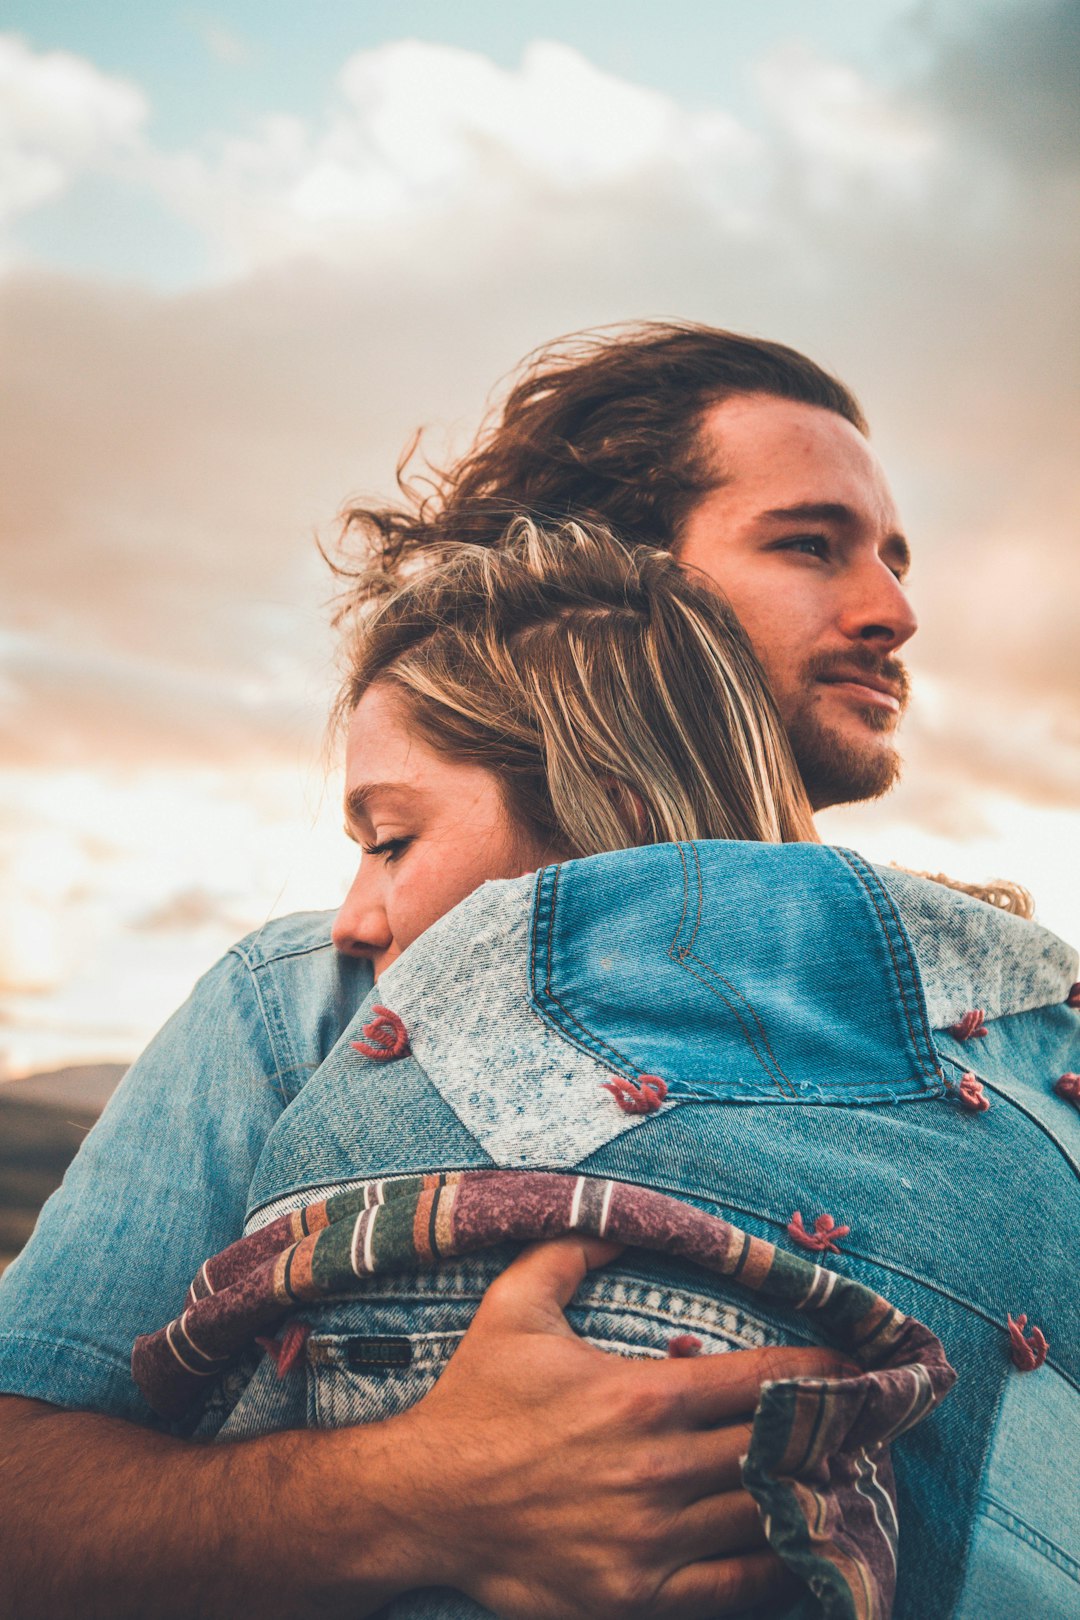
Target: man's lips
column 865, row 688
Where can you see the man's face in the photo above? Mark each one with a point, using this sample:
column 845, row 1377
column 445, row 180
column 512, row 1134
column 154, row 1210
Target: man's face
column 802, row 536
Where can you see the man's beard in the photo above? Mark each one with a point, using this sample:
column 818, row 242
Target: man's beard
column 835, row 768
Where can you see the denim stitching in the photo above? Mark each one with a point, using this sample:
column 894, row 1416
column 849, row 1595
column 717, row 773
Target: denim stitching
column 595, row 1045
column 852, row 862
column 882, row 1089
column 1008, row 1520
column 916, row 986
column 885, row 1095
column 686, row 952
column 1008, row 1097
column 256, row 961
column 882, row 1264
column 580, row 1035
column 850, row 859
column 272, row 1032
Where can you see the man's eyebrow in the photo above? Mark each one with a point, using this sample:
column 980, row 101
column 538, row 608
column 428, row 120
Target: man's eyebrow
column 836, row 512
column 814, row 512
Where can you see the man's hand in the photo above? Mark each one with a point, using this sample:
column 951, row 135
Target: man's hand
column 546, row 1479
column 570, row 1484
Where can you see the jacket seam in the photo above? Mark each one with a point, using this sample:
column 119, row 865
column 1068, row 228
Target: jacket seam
column 592, row 1045
column 255, row 965
column 1010, row 1098
column 853, row 1254
column 927, row 1040
column 8, row 1335
column 279, row 1069
column 680, row 957
column 998, row 1513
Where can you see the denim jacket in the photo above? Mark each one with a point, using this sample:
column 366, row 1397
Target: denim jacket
column 797, row 1003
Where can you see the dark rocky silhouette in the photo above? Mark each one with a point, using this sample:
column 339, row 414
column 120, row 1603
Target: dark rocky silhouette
column 43, row 1119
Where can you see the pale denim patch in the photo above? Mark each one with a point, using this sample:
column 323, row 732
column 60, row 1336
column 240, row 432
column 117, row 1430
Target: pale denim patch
column 970, row 954
column 529, row 1097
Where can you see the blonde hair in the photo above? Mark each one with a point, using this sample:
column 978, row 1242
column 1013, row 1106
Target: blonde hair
column 612, row 692
column 1001, row 893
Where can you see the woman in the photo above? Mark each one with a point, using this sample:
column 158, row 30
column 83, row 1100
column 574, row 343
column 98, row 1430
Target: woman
column 543, row 702
column 776, row 977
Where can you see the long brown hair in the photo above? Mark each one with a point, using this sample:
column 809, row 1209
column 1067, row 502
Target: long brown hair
column 601, row 426
column 612, row 692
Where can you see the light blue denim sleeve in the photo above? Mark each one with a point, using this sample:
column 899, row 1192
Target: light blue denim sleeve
column 160, row 1183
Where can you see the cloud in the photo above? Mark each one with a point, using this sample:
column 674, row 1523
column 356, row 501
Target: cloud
column 169, row 456
column 843, row 129
column 1010, row 83
column 193, row 908
column 417, row 135
column 71, row 710
column 222, row 43
column 59, row 116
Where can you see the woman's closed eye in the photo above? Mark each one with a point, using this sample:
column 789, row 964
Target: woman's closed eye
column 390, row 848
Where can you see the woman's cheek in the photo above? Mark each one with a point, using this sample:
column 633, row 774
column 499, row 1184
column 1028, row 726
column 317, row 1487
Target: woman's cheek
column 422, row 894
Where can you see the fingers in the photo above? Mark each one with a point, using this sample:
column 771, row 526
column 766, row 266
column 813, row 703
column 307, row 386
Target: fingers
column 534, row 1290
column 711, row 1461
column 720, row 1527
column 722, row 1586
column 716, row 1389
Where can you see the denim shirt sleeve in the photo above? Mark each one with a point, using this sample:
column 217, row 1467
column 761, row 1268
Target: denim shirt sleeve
column 160, row 1182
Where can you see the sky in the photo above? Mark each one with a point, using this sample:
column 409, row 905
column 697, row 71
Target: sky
column 246, row 250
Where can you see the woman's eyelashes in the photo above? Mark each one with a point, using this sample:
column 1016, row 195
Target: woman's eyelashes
column 390, row 848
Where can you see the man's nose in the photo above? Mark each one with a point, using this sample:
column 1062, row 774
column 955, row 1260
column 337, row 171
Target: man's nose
column 360, row 927
column 877, row 607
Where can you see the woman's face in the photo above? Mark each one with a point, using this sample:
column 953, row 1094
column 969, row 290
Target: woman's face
column 431, row 830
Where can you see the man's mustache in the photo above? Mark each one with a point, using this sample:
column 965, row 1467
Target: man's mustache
column 861, row 661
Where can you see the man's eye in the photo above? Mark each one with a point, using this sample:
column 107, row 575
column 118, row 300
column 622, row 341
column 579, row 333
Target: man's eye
column 810, row 545
column 391, row 848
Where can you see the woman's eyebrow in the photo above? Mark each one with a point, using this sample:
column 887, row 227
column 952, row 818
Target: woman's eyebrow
column 358, row 799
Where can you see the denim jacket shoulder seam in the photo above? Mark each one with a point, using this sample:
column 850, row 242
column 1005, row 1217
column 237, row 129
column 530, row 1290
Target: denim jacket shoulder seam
column 255, row 963
column 272, row 1028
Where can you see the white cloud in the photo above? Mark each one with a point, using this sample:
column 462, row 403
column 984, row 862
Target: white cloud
column 223, row 44
column 59, row 116
column 430, row 134
column 843, row 128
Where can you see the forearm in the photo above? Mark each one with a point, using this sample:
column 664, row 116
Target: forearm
column 102, row 1518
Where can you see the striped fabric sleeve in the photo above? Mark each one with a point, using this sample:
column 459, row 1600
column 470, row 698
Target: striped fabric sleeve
column 818, row 1464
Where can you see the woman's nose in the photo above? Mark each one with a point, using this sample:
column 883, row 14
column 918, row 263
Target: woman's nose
column 360, row 927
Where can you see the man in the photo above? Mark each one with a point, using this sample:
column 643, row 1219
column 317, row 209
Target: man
column 542, row 1480
column 749, row 462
